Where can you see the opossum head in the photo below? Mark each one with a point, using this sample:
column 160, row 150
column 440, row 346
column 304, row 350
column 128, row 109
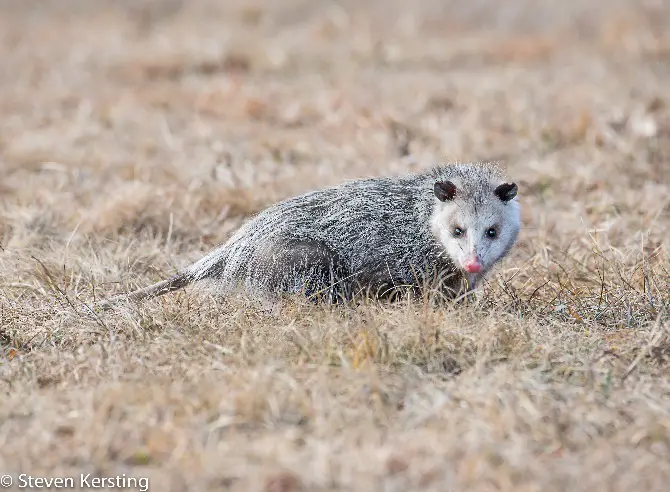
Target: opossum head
column 476, row 223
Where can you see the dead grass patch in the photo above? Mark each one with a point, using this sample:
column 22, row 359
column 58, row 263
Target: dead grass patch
column 134, row 138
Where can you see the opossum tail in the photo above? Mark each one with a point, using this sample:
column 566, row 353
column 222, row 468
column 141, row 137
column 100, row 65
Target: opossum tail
column 158, row 289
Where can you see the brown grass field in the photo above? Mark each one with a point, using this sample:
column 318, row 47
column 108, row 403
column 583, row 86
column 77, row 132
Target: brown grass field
column 137, row 135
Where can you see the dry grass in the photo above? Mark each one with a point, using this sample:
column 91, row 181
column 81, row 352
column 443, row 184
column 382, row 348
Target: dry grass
column 134, row 136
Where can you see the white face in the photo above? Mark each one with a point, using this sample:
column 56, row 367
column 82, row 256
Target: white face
column 476, row 237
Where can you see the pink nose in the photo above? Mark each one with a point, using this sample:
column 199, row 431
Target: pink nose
column 473, row 266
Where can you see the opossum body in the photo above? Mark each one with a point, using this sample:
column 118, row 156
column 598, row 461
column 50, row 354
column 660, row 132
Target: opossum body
column 446, row 227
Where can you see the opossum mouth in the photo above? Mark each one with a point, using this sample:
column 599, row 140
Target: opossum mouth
column 471, row 279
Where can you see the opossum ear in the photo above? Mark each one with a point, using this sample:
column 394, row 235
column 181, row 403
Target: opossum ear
column 444, row 190
column 506, row 191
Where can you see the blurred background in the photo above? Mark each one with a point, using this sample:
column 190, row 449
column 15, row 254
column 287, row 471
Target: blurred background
column 147, row 112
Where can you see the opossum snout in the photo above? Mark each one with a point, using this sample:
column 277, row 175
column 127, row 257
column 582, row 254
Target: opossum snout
column 473, row 265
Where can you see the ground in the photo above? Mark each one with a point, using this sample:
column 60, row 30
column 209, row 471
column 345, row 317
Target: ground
column 137, row 135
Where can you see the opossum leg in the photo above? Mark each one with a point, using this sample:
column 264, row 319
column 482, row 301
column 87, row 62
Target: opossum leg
column 304, row 266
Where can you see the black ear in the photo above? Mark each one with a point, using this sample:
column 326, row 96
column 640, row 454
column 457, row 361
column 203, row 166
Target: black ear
column 444, row 190
column 506, row 191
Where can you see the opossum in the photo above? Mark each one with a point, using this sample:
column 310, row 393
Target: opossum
column 379, row 237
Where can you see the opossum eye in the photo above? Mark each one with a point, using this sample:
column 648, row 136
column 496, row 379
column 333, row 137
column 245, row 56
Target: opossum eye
column 491, row 232
column 458, row 232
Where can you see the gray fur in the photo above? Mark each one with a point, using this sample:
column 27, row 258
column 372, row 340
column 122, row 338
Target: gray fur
column 370, row 236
